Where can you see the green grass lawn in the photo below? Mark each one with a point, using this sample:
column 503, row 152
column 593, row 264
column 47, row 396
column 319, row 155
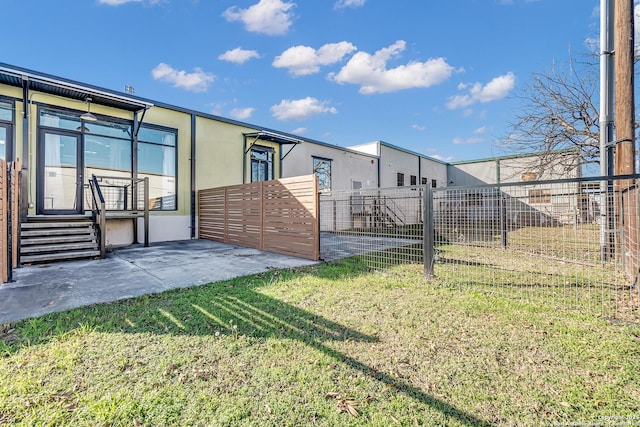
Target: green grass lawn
column 330, row 345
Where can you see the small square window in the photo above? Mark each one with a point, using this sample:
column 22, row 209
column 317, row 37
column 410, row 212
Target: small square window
column 424, row 181
column 413, row 180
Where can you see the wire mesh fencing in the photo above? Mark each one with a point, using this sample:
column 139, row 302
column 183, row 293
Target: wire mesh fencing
column 382, row 226
column 122, row 194
column 572, row 243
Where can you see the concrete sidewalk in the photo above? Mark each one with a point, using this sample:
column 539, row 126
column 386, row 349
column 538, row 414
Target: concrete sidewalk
column 129, row 272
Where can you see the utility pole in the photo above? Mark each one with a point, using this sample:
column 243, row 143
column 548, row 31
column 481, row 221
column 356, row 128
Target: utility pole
column 624, row 52
column 627, row 196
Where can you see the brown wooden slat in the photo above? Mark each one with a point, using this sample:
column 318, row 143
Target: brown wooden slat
column 279, row 216
column 16, row 167
column 4, row 268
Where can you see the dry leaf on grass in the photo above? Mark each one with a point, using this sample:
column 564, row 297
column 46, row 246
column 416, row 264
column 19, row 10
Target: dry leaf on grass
column 350, row 406
column 346, row 404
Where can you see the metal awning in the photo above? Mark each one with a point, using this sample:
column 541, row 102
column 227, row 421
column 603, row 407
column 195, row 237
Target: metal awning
column 266, row 135
column 19, row 77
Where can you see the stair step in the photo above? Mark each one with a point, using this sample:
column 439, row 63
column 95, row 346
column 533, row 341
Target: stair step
column 52, row 240
column 57, row 218
column 34, row 225
column 59, row 256
column 57, row 248
column 57, row 232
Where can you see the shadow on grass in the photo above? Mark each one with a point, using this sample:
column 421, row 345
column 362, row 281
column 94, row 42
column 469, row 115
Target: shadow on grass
column 232, row 307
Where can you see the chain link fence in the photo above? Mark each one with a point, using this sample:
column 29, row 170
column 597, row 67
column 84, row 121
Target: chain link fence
column 572, row 243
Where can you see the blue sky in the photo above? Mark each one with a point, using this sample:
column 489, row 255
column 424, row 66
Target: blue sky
column 435, row 77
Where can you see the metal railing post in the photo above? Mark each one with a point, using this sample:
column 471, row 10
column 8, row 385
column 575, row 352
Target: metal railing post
column 103, row 229
column 146, row 211
column 427, row 233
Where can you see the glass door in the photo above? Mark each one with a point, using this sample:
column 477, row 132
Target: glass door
column 4, row 141
column 59, row 174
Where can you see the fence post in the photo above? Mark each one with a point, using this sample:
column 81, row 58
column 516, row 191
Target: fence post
column 503, row 218
column 11, row 225
column 427, row 232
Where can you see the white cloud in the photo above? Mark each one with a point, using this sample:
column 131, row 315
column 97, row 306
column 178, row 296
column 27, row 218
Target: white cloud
column 592, row 44
column 468, row 141
column 349, row 3
column 216, row 108
column 271, row 17
column 238, row 55
column 301, row 109
column 299, row 131
column 636, row 27
column 305, row 60
column 481, row 130
column 371, row 73
column 497, row 88
column 198, row 81
column 241, row 113
column 418, row 127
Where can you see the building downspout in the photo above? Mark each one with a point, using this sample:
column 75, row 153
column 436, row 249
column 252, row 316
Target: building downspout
column 244, row 159
column 25, row 124
column 192, row 164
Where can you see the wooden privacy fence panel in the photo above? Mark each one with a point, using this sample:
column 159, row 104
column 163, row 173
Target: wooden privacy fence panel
column 290, row 217
column 4, row 223
column 211, row 214
column 277, row 216
column 9, row 217
column 243, row 215
column 14, row 171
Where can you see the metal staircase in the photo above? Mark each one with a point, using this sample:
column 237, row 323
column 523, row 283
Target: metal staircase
column 47, row 238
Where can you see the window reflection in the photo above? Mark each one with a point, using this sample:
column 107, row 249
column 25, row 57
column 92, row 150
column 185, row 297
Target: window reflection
column 108, row 151
column 157, row 161
column 261, row 164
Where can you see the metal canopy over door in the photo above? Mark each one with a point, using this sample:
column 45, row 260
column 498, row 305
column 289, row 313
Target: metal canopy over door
column 60, row 173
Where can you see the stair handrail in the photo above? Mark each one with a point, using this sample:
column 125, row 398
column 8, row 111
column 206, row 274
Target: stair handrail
column 394, row 212
column 99, row 212
column 135, row 191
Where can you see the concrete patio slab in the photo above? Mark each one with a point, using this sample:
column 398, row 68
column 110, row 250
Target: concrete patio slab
column 129, row 272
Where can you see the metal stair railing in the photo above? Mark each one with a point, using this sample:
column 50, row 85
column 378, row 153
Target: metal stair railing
column 99, row 213
column 124, row 198
column 394, row 213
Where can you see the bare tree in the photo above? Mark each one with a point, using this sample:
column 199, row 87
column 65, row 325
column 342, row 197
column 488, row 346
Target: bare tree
column 558, row 116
